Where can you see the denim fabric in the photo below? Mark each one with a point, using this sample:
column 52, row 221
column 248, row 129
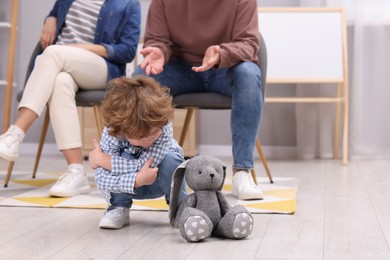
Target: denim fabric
column 118, row 29
column 161, row 187
column 242, row 82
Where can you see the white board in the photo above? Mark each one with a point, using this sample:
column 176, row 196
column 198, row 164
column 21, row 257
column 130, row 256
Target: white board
column 303, row 45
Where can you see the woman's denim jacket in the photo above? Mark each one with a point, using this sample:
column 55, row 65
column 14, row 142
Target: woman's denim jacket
column 117, row 28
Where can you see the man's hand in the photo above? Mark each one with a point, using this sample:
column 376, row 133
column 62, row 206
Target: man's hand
column 153, row 60
column 210, row 59
column 147, row 175
column 97, row 158
column 48, row 32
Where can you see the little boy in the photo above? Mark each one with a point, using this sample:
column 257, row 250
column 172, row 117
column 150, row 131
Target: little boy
column 137, row 154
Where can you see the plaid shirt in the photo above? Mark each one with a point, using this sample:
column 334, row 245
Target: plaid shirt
column 122, row 177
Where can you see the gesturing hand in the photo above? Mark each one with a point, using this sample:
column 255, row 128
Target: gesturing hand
column 210, row 59
column 153, row 60
column 147, row 175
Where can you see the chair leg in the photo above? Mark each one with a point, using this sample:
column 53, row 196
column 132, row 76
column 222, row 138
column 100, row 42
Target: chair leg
column 9, row 172
column 42, row 138
column 98, row 119
column 337, row 125
column 265, row 164
column 187, row 121
column 345, row 123
column 253, row 172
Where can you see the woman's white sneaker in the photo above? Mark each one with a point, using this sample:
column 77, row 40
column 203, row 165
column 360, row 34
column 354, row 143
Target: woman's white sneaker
column 244, row 187
column 71, row 183
column 10, row 142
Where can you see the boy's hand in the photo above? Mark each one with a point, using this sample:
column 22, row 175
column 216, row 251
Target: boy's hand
column 147, row 175
column 97, row 158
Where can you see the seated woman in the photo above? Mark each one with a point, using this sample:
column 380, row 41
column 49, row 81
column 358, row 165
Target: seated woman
column 85, row 43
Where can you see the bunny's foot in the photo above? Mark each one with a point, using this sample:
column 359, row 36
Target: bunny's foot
column 243, row 225
column 195, row 225
column 236, row 224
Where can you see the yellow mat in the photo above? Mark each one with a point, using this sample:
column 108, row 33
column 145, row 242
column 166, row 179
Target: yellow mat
column 23, row 191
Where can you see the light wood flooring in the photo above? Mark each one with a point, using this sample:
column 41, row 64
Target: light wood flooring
column 343, row 212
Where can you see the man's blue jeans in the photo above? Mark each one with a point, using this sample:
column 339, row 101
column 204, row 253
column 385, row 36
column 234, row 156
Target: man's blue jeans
column 161, row 186
column 242, row 82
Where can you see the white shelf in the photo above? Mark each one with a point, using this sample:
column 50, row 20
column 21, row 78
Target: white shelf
column 5, row 25
column 4, row 82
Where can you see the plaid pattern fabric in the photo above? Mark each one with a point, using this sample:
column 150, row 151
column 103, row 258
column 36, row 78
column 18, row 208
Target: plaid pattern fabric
column 124, row 171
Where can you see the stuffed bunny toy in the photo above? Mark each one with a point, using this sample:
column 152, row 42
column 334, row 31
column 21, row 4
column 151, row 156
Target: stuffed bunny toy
column 206, row 212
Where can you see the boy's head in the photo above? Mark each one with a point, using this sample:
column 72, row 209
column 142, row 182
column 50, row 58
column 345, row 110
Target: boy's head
column 136, row 108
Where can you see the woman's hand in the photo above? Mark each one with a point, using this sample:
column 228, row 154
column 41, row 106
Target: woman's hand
column 48, row 33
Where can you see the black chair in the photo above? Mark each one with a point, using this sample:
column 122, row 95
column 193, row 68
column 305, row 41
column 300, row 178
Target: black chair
column 84, row 98
column 208, row 100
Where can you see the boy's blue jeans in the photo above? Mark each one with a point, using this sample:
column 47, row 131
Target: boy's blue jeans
column 242, row 82
column 161, row 187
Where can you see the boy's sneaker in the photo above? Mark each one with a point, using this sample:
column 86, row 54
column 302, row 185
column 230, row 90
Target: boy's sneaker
column 71, row 183
column 115, row 218
column 9, row 144
column 244, row 187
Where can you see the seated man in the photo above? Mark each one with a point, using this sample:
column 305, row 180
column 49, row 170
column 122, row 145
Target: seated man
column 189, row 47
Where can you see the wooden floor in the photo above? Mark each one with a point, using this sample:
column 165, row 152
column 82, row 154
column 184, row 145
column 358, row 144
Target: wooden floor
column 343, row 212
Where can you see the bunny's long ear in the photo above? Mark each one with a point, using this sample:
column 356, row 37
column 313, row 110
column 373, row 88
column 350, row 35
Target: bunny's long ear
column 177, row 181
column 224, row 176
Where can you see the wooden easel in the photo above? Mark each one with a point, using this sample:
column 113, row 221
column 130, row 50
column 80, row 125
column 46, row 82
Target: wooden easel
column 291, row 35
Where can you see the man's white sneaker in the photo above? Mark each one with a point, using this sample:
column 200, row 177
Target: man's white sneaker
column 9, row 145
column 244, row 187
column 71, row 183
column 115, row 218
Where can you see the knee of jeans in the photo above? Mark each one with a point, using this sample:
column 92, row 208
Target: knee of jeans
column 167, row 167
column 246, row 78
column 170, row 162
column 245, row 71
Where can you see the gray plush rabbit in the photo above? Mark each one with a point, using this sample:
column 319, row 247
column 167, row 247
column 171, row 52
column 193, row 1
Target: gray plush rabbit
column 205, row 212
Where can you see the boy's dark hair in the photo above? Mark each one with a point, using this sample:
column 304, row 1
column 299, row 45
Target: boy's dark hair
column 132, row 106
